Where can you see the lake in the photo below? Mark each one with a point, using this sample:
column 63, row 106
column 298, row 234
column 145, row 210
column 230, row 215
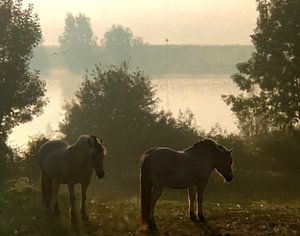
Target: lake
column 200, row 94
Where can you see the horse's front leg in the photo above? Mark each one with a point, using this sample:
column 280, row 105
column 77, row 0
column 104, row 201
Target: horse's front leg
column 192, row 197
column 55, row 197
column 200, row 189
column 71, row 188
column 84, row 186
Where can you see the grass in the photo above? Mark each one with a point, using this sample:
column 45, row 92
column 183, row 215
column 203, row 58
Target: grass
column 21, row 214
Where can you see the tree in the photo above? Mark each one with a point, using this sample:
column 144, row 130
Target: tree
column 118, row 37
column 118, row 41
column 77, row 42
column 270, row 79
column 119, row 106
column 21, row 91
column 78, row 33
column 30, row 159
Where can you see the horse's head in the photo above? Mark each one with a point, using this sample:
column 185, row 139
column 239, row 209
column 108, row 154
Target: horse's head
column 96, row 153
column 220, row 157
column 223, row 163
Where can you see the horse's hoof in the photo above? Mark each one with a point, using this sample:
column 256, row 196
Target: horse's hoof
column 202, row 219
column 48, row 211
column 74, row 220
column 152, row 226
column 84, row 218
column 193, row 217
column 143, row 228
column 56, row 210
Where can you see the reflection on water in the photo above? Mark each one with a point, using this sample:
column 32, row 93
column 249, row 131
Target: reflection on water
column 61, row 86
column 200, row 94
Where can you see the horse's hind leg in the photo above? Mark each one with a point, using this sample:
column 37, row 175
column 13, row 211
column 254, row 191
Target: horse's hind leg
column 192, row 197
column 84, row 187
column 55, row 197
column 200, row 189
column 47, row 189
column 73, row 216
column 156, row 193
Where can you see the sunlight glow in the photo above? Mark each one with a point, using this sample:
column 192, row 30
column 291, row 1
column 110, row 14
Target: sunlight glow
column 183, row 22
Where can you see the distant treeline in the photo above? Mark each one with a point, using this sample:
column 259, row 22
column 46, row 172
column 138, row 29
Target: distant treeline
column 152, row 59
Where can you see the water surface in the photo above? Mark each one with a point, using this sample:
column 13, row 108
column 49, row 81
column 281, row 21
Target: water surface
column 200, row 94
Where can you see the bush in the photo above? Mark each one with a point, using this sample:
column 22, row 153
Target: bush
column 279, row 151
column 5, row 152
column 30, row 163
column 119, row 106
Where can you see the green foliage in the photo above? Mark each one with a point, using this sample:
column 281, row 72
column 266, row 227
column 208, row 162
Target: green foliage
column 21, row 91
column 278, row 152
column 270, row 78
column 119, row 105
column 5, row 155
column 32, row 168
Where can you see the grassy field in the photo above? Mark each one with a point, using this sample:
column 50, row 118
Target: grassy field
column 21, row 214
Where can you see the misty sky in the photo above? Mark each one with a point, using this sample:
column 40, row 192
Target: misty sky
column 181, row 21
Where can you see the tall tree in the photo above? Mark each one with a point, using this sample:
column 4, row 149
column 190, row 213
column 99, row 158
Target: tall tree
column 270, row 79
column 118, row 41
column 21, row 91
column 118, row 37
column 77, row 42
column 78, row 33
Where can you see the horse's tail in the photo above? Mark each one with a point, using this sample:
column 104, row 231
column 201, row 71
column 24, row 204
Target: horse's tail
column 146, row 188
column 47, row 188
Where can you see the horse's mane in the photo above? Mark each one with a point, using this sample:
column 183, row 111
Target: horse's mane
column 207, row 144
column 87, row 138
column 83, row 138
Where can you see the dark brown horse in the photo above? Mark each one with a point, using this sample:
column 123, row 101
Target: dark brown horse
column 62, row 163
column 190, row 169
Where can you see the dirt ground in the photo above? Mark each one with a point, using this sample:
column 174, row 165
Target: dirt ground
column 21, row 214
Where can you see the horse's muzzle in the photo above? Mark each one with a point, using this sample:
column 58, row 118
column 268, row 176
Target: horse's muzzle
column 100, row 175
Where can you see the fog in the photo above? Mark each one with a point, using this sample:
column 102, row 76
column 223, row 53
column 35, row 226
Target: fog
column 191, row 23
column 139, row 101
column 182, row 22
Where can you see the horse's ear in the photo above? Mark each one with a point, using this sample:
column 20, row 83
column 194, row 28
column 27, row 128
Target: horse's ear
column 99, row 140
column 220, row 147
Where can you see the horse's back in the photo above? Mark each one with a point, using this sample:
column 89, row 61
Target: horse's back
column 171, row 168
column 51, row 157
column 161, row 161
column 52, row 148
column 159, row 153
